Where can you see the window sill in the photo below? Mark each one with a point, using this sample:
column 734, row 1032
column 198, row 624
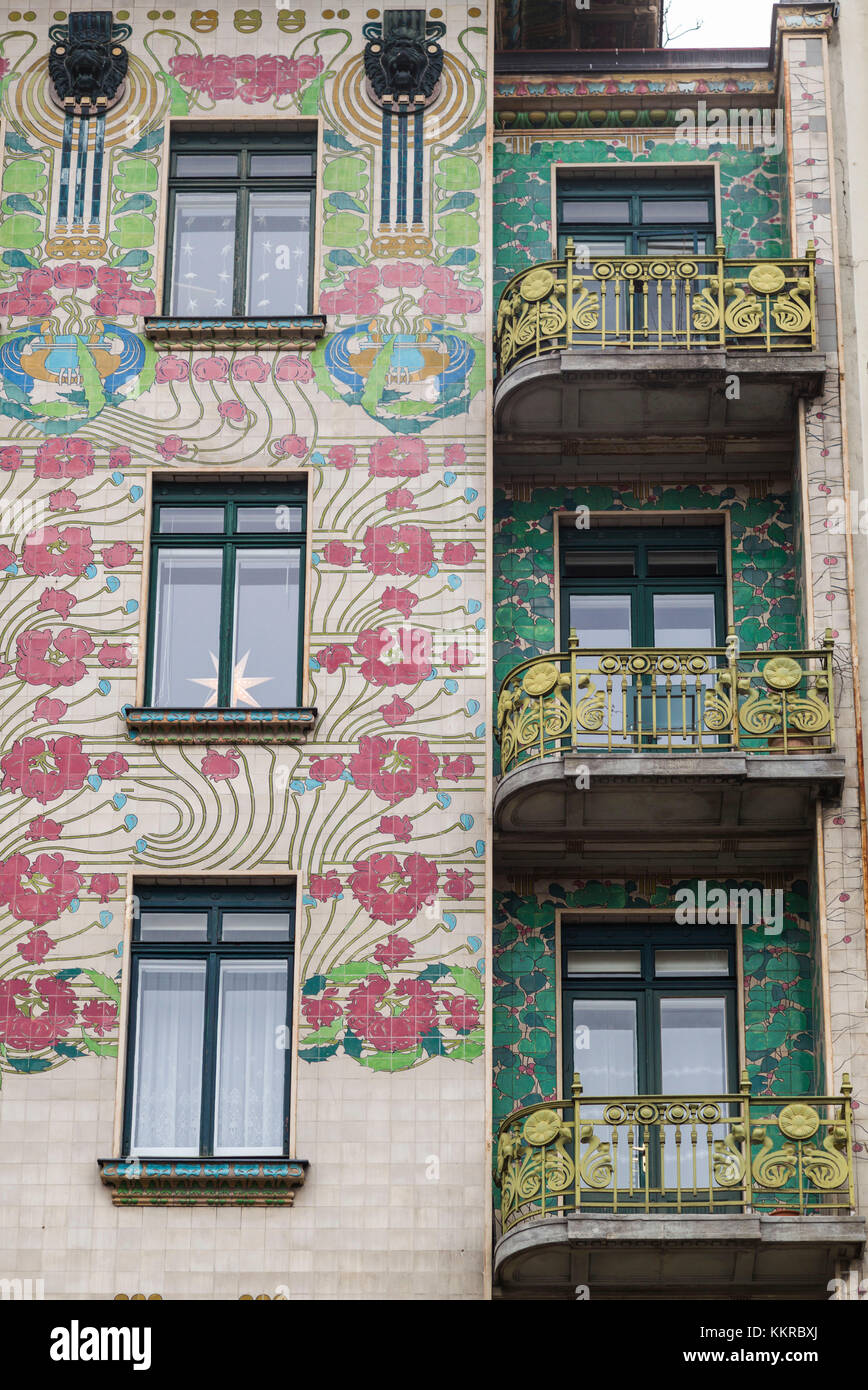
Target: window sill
column 205, row 1182
column 302, row 331
column 218, row 725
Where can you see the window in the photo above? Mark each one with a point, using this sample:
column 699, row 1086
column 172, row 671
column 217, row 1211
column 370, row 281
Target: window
column 226, row 599
column 613, row 217
column 240, row 225
column 208, row 1051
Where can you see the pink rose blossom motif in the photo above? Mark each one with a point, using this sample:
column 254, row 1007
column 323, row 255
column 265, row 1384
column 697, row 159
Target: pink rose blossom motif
column 293, row 368
column 393, row 892
column 403, row 275
column 397, row 711
column 73, row 276
column 342, row 456
column 50, row 551
column 100, row 1015
column 232, row 410
column 253, row 79
column 398, row 550
column 250, row 369
column 455, row 768
column 445, row 295
column 319, row 1013
column 44, row 1016
column 44, row 769
column 120, row 457
column 398, row 458
column 454, row 454
column 36, row 947
column 399, row 827
column 397, row 1033
column 172, row 446
column 393, row 950
column 338, row 553
column 64, row 500
column 402, row 600
column 104, row 886
column 221, row 767
column 29, row 299
column 11, row 458
column 115, row 765
column 42, row 828
column 331, row 658
column 324, row 886
column 56, row 601
column 40, row 891
column 400, row 498
column 114, row 656
column 327, row 769
column 458, row 552
column 119, row 297
column 389, row 664
column 356, row 296
column 457, row 657
column 291, row 446
column 459, row 886
column 462, row 1012
column 64, row 458
column 6, row 557
column 114, row 556
column 394, row 770
column 52, row 711
column 211, row 369
column 5, row 668
column 38, row 664
column 172, row 368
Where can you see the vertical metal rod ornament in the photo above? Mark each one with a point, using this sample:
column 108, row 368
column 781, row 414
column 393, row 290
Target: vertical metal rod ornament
column 65, row 167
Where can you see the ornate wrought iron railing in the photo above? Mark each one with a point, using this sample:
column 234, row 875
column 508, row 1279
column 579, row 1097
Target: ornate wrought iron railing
column 653, row 302
column 671, row 1155
column 667, row 700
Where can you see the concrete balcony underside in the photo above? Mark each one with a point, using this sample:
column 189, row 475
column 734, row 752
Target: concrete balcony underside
column 576, row 404
column 717, row 809
column 684, row 1257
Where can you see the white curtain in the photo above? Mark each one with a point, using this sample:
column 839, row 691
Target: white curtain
column 251, row 1058
column 167, row 1091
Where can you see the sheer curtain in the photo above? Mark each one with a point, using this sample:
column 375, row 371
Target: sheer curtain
column 251, row 1058
column 167, row 1094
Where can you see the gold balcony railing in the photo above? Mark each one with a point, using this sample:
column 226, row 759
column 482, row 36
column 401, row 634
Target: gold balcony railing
column 671, row 1155
column 627, row 303
column 667, row 700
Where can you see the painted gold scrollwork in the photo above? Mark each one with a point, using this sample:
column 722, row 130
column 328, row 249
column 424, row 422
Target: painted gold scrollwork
column 596, row 1166
column 728, row 1162
column 744, row 313
column 586, row 310
column 772, row 1168
column 790, row 312
column 826, row 1167
column 706, row 310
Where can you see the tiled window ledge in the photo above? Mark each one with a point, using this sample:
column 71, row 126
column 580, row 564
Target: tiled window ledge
column 298, row 332
column 219, row 725
column 208, row 1182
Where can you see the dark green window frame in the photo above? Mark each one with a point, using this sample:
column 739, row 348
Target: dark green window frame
column 242, row 184
column 602, row 189
column 214, row 901
column 642, row 586
column 647, row 988
column 293, row 495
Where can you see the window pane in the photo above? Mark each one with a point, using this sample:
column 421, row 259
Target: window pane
column 691, row 962
column 203, row 253
column 611, row 564
column 173, row 926
column 673, row 245
column 601, row 620
column 280, row 165
column 683, row 562
column 684, row 620
column 251, row 1058
column 587, row 962
column 693, row 1046
column 274, row 517
column 187, row 628
column 255, row 926
column 605, row 1046
column 167, row 1082
column 596, row 210
column 190, row 521
column 277, row 254
column 265, row 656
column 206, row 166
column 674, row 210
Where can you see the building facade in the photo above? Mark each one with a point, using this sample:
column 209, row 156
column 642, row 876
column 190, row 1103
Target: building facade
column 432, row 764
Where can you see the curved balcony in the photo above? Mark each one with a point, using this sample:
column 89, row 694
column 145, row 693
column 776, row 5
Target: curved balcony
column 660, row 746
column 649, row 345
column 705, row 1194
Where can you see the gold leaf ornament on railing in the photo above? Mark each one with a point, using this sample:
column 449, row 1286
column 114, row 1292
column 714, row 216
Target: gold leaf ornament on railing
column 706, row 310
column 743, row 313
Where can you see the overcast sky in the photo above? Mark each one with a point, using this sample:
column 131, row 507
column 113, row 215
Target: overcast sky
column 725, row 23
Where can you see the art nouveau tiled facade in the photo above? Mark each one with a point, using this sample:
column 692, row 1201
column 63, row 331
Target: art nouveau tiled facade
column 221, row 471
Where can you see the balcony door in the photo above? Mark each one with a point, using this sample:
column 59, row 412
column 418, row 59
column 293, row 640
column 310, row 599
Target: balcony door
column 652, row 587
column 649, row 1013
